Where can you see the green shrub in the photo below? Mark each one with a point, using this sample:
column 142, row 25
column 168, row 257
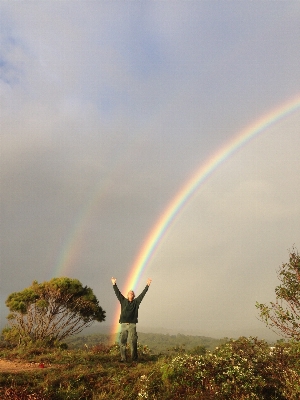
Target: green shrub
column 241, row 369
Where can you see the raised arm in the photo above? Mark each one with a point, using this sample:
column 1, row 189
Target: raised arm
column 141, row 296
column 119, row 295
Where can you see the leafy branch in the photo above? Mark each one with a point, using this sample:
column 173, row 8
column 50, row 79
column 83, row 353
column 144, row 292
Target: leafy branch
column 283, row 315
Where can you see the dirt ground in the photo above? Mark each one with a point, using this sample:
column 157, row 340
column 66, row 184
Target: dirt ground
column 16, row 366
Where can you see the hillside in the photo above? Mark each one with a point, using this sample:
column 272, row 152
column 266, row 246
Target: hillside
column 246, row 368
column 158, row 343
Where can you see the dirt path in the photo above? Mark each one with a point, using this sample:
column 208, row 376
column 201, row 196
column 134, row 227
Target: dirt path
column 18, row 366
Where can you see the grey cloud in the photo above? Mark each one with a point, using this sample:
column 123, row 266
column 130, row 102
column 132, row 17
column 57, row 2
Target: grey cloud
column 107, row 109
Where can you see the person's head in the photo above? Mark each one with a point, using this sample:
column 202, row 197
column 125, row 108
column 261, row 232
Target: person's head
column 130, row 295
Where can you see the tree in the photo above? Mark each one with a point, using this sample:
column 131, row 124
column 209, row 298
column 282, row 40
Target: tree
column 51, row 311
column 283, row 315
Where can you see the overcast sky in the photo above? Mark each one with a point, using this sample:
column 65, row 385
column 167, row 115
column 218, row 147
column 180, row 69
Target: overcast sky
column 107, row 108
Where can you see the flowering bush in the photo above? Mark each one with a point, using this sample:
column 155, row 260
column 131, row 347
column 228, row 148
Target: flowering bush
column 241, row 369
column 143, row 392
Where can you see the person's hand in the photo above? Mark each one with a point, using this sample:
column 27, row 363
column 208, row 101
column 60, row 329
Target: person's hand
column 113, row 280
column 149, row 281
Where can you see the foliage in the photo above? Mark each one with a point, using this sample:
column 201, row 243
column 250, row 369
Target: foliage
column 283, row 315
column 241, row 369
column 198, row 350
column 51, row 311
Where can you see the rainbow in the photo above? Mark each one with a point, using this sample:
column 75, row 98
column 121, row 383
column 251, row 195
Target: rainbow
column 185, row 194
column 71, row 248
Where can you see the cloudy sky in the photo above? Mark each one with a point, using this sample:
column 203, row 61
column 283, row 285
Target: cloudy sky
column 107, row 109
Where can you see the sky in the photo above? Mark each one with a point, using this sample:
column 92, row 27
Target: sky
column 107, row 109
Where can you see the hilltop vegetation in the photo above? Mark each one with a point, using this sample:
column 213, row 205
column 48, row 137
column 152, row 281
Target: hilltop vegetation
column 241, row 369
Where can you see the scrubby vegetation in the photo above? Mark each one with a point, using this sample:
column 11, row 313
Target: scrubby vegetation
column 241, row 369
column 178, row 367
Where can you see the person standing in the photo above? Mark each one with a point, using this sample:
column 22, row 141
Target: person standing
column 128, row 319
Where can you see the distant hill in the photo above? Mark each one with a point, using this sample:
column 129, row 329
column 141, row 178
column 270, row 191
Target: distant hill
column 157, row 342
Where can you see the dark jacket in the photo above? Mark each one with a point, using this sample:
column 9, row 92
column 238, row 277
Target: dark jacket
column 129, row 309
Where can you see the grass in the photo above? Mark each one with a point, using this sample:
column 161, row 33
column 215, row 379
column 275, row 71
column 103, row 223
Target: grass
column 237, row 370
column 95, row 373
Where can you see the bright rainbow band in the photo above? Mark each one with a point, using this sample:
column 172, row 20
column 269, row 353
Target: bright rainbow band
column 185, row 194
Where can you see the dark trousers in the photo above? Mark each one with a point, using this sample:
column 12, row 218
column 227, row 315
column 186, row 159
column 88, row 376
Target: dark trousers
column 128, row 331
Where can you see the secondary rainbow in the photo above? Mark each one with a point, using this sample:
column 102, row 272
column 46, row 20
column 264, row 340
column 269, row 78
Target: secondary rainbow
column 72, row 246
column 185, row 194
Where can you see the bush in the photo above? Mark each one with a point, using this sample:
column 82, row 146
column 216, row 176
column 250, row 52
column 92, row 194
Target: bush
column 241, row 369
